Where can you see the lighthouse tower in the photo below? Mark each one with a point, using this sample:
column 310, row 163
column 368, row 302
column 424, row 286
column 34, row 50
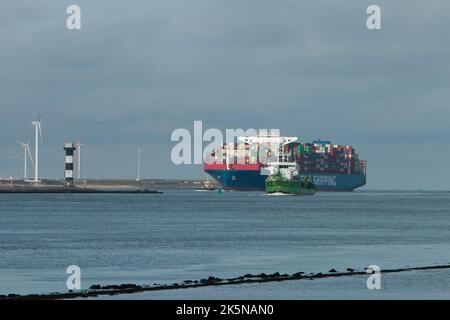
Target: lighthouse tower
column 69, row 148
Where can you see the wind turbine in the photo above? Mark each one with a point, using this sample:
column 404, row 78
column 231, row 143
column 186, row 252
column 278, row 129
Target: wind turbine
column 139, row 165
column 38, row 134
column 78, row 145
column 27, row 153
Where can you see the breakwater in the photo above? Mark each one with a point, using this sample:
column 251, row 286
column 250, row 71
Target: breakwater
column 59, row 190
column 98, row 290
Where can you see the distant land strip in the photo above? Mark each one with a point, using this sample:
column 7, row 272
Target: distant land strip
column 98, row 290
column 106, row 184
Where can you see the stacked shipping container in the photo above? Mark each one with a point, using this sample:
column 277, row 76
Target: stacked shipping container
column 318, row 156
column 322, row 156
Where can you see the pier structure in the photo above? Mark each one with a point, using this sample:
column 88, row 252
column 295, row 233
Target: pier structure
column 69, row 148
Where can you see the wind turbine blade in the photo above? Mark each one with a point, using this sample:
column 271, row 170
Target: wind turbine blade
column 20, row 142
column 29, row 154
column 40, row 131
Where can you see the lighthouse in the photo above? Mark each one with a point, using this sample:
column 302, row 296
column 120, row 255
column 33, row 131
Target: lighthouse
column 69, row 148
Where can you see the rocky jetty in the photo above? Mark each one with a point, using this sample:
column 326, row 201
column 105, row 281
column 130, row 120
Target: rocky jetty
column 98, row 290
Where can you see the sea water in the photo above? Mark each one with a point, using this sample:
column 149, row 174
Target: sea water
column 185, row 234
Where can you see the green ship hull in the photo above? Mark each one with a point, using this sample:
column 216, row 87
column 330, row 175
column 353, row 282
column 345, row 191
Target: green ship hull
column 287, row 187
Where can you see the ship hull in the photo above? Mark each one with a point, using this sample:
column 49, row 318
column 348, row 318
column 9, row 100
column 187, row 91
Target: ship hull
column 252, row 180
column 287, row 187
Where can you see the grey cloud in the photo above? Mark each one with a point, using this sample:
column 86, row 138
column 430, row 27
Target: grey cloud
column 137, row 70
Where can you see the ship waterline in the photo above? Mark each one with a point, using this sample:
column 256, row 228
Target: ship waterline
column 254, row 180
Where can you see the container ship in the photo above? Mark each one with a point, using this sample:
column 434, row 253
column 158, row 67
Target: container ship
column 243, row 166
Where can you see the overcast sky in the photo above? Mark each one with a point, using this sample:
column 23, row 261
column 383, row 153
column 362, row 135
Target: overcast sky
column 137, row 70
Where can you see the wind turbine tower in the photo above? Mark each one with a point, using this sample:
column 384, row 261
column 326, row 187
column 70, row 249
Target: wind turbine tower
column 78, row 148
column 139, row 165
column 38, row 134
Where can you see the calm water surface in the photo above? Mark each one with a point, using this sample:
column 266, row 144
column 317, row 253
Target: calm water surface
column 189, row 234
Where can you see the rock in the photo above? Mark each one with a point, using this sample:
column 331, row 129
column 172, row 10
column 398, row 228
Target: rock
column 350, row 269
column 332, row 271
column 213, row 280
column 95, row 287
column 187, row 281
column 121, row 286
column 114, row 286
column 276, row 275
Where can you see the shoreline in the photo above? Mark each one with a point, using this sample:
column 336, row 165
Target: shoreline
column 75, row 190
column 103, row 184
column 92, row 186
